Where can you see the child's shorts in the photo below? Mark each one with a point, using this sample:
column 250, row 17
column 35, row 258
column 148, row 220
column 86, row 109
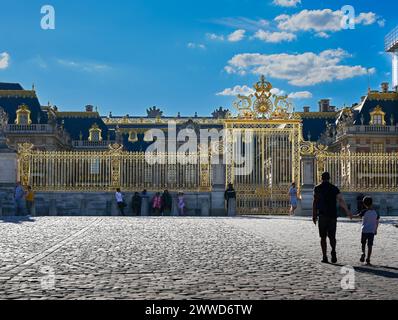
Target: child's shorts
column 368, row 238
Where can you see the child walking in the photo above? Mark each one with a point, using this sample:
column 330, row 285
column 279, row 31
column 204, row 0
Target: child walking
column 370, row 225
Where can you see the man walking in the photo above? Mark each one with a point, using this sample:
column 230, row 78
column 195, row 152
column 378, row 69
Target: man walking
column 326, row 197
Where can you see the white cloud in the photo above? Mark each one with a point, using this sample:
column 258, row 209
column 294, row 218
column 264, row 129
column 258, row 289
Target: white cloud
column 300, row 95
column 84, row 66
column 322, row 35
column 287, row 3
column 366, row 18
column 304, row 69
column 237, row 35
column 213, row 36
column 274, row 37
column 318, row 21
column 242, row 90
column 4, row 60
column 381, row 23
column 192, row 45
column 246, row 91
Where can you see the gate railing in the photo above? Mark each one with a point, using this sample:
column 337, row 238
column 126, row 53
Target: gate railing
column 360, row 172
column 107, row 170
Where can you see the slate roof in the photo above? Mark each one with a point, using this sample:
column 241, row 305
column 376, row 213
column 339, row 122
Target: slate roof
column 315, row 126
column 74, row 125
column 389, row 106
column 10, row 101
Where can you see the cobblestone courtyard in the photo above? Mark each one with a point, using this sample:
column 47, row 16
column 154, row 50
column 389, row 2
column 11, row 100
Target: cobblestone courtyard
column 187, row 258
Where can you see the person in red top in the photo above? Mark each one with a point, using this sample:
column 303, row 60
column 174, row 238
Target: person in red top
column 157, row 204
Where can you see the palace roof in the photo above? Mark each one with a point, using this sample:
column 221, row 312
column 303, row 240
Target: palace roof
column 12, row 96
column 387, row 101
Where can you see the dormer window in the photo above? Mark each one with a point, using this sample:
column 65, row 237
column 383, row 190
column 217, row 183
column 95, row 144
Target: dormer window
column 23, row 115
column 95, row 133
column 133, row 137
column 377, row 117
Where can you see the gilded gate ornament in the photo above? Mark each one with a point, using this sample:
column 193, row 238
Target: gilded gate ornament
column 263, row 103
column 24, row 151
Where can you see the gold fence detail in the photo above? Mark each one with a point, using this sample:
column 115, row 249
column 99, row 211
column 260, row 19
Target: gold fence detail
column 276, row 164
column 360, row 172
column 91, row 171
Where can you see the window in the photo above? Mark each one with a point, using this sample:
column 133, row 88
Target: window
column 95, row 133
column 377, row 117
column 23, row 115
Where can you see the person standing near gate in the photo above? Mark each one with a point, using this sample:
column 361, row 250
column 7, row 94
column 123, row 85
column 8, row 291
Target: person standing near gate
column 326, row 197
column 120, row 201
column 230, row 198
column 167, row 203
column 136, row 204
column 293, row 198
column 30, row 199
column 157, row 204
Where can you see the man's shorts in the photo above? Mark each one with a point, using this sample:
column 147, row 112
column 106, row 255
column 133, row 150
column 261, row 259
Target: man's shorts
column 327, row 227
column 368, row 238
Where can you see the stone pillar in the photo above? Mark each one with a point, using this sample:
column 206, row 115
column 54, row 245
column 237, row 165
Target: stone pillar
column 231, row 207
column 145, row 206
column 309, row 178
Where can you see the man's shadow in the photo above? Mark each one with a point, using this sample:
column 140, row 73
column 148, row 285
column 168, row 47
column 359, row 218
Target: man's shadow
column 380, row 271
column 16, row 219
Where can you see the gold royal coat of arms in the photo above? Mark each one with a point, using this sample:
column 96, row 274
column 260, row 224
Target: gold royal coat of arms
column 263, row 103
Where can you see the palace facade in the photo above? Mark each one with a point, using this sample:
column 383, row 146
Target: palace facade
column 83, row 152
column 370, row 125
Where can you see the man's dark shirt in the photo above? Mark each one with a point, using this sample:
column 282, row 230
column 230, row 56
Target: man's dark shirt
column 326, row 199
column 230, row 194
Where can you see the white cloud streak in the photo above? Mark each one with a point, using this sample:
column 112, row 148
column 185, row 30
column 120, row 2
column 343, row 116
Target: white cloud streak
column 274, row 37
column 287, row 3
column 4, row 60
column 83, row 66
column 237, row 35
column 304, row 69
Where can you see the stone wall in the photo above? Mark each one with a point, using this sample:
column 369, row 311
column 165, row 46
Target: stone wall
column 104, row 204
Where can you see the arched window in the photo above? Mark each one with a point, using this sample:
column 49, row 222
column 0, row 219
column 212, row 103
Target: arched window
column 95, row 133
column 23, row 115
column 377, row 117
column 133, row 137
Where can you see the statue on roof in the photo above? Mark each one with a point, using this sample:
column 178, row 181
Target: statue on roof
column 220, row 113
column 154, row 112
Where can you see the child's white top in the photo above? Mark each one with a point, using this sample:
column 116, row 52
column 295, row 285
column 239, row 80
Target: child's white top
column 370, row 220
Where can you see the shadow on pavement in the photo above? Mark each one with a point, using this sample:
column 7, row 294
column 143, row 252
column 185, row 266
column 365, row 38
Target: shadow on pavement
column 16, row 220
column 379, row 271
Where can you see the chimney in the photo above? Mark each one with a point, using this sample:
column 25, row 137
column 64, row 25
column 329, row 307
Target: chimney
column 306, row 109
column 385, row 87
column 324, row 105
column 89, row 108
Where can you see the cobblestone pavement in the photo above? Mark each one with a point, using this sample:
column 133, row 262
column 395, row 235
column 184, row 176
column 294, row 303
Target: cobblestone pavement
column 187, row 258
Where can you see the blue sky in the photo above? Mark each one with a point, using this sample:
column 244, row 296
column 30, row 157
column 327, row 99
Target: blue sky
column 187, row 56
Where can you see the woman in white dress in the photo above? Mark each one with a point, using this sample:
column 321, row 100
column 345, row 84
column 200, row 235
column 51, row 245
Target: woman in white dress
column 293, row 198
